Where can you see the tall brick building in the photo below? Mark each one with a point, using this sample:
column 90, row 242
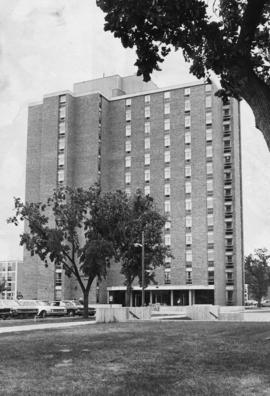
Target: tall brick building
column 181, row 145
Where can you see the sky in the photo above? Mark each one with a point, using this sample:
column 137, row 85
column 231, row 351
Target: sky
column 48, row 45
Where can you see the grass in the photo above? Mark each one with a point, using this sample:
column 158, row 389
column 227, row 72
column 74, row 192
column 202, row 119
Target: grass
column 144, row 358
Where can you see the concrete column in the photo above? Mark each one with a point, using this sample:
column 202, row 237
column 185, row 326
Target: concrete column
column 171, row 297
column 108, row 295
column 151, row 297
column 190, row 299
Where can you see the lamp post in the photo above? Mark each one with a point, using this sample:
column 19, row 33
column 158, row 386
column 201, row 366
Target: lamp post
column 143, row 272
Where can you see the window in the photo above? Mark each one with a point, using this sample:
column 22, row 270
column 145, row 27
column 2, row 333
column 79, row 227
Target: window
column 147, row 159
column 147, row 143
column 61, row 143
column 62, row 112
column 210, row 220
column 127, row 177
column 188, row 204
column 167, row 225
column 167, row 239
column 147, row 127
column 128, row 114
column 167, row 206
column 167, row 124
column 167, row 276
column 167, row 173
column 187, row 137
column 210, row 237
column 188, row 277
column 167, row 156
column 187, row 154
column 62, row 127
column 147, row 175
column 188, row 221
column 61, row 159
column 147, row 190
column 187, row 171
column 167, row 189
column 187, row 105
column 210, row 255
column 62, row 98
column 167, row 95
column 147, row 99
column 211, row 277
column 209, row 168
column 188, row 187
column 128, row 146
column 209, row 135
column 167, row 108
column 60, row 175
column 168, row 260
column 210, row 203
column 209, row 185
column 187, row 121
column 58, row 279
column 128, row 130
column 128, row 191
column 188, row 239
column 128, row 102
column 226, row 127
column 167, row 141
column 208, row 118
column 128, row 162
column 187, row 91
column 209, row 151
column 147, row 112
column 208, row 87
column 188, row 255
column 208, row 101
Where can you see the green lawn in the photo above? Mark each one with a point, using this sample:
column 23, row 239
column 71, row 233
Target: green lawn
column 157, row 358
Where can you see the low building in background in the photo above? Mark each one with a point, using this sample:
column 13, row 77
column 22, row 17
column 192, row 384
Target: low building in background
column 8, row 273
column 179, row 144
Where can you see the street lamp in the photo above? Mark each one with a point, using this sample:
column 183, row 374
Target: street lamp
column 142, row 246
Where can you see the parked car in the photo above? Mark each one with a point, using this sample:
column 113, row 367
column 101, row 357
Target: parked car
column 266, row 303
column 80, row 308
column 251, row 303
column 13, row 309
column 69, row 305
column 44, row 308
column 5, row 310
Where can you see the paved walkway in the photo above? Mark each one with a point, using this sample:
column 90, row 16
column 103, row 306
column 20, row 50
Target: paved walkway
column 43, row 326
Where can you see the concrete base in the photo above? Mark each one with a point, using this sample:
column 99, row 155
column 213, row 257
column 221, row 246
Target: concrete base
column 122, row 314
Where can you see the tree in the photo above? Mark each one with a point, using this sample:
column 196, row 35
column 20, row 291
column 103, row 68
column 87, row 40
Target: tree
column 67, row 230
column 2, row 286
column 230, row 38
column 257, row 273
column 142, row 217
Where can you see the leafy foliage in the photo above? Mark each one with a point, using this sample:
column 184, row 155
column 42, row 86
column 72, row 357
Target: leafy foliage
column 228, row 37
column 2, row 286
column 142, row 217
column 257, row 273
column 67, row 230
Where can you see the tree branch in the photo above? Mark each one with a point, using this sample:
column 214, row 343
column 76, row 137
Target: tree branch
column 251, row 20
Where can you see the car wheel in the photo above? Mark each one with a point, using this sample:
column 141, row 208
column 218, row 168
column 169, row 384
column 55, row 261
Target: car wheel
column 43, row 314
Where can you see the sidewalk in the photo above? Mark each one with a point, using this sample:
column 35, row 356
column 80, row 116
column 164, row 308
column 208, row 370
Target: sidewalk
column 43, row 326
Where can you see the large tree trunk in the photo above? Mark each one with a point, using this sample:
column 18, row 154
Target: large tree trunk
column 85, row 303
column 257, row 95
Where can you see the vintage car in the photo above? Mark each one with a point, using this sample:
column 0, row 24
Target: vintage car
column 45, row 308
column 13, row 309
column 70, row 306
